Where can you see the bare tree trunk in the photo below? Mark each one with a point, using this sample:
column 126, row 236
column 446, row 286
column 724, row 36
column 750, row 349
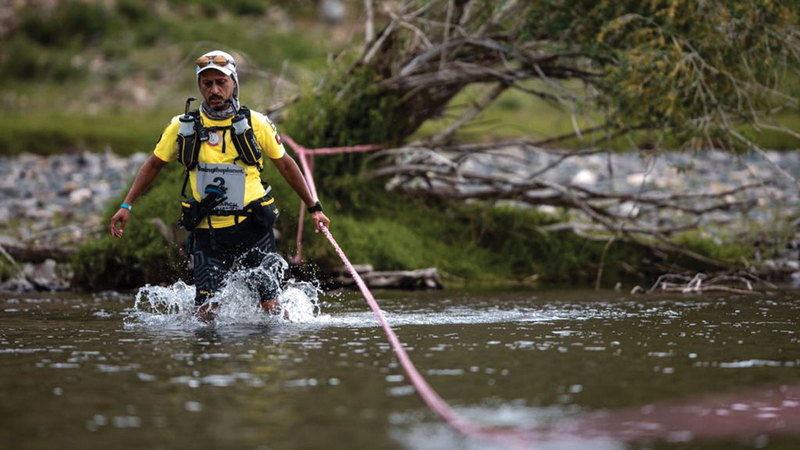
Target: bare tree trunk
column 369, row 28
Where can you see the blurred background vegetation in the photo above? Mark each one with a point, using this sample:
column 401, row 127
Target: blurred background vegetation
column 109, row 74
column 90, row 74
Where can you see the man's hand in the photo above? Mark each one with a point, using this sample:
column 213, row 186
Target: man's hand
column 320, row 219
column 144, row 178
column 118, row 222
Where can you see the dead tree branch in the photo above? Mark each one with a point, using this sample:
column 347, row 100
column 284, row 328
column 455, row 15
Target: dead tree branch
column 700, row 282
column 647, row 216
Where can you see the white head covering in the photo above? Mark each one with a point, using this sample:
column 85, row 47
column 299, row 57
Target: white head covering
column 228, row 69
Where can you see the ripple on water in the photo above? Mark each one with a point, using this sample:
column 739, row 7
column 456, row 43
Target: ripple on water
column 492, row 314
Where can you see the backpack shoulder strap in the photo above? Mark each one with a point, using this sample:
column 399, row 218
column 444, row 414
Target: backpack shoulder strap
column 198, row 119
column 246, row 111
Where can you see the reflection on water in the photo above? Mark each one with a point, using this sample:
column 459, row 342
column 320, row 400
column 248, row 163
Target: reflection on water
column 579, row 369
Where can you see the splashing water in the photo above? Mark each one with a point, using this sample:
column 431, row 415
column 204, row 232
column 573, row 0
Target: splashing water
column 172, row 307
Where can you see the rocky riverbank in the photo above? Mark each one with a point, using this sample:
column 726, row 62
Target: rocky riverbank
column 55, row 203
column 58, row 201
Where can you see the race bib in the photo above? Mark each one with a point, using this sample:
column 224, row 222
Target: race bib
column 224, row 180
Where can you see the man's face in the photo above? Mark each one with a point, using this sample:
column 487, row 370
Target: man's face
column 217, row 88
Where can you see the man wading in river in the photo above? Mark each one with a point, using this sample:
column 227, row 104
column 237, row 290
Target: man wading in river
column 229, row 213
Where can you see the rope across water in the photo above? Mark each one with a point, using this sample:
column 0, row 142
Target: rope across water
column 434, row 401
column 513, row 437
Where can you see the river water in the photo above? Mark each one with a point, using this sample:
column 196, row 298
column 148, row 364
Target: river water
column 576, row 369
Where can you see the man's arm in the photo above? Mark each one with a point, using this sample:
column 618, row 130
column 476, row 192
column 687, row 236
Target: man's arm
column 291, row 173
column 147, row 173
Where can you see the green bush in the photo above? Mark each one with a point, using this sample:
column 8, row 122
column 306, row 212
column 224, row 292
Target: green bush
column 702, row 243
column 7, row 270
column 351, row 112
column 247, row 7
column 48, row 132
column 71, row 20
column 22, row 59
column 143, row 255
column 478, row 241
column 134, row 11
column 510, row 102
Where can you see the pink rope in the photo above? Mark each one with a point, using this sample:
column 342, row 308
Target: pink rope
column 309, row 179
column 302, row 155
column 428, row 394
column 330, row 150
column 337, row 150
column 298, row 253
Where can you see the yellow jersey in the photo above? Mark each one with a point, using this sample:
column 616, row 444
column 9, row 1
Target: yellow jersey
column 219, row 149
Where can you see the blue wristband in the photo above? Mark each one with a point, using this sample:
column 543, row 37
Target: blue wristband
column 126, row 206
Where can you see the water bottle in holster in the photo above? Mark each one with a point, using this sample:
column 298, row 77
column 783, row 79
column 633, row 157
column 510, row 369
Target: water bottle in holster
column 244, row 139
column 188, row 139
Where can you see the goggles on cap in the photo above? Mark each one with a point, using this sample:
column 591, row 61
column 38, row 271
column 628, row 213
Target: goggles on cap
column 217, row 60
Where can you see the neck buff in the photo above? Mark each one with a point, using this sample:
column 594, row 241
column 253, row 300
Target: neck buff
column 226, row 113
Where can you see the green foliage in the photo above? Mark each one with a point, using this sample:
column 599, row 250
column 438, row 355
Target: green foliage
column 482, row 244
column 212, row 8
column 478, row 242
column 518, row 248
column 389, row 244
column 704, row 244
column 45, row 44
column 510, row 103
column 143, row 255
column 71, row 20
column 21, row 59
column 350, row 111
column 245, row 7
column 7, row 270
column 56, row 43
column 692, row 67
column 51, row 133
column 133, row 11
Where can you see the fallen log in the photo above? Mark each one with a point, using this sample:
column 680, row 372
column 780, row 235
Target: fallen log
column 398, row 279
column 37, row 254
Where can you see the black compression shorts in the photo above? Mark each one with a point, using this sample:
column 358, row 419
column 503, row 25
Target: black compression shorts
column 217, row 251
